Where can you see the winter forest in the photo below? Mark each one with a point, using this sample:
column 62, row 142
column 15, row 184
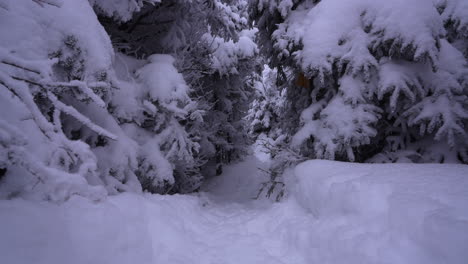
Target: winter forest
column 233, row 131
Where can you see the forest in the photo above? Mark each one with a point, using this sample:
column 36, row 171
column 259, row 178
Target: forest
column 233, row 131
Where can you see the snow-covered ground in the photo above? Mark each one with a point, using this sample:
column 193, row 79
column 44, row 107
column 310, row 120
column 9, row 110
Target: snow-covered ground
column 335, row 213
column 385, row 213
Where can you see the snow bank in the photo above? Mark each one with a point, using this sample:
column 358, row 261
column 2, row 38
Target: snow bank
column 385, row 213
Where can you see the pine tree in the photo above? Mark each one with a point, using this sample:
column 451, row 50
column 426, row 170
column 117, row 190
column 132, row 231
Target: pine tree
column 387, row 81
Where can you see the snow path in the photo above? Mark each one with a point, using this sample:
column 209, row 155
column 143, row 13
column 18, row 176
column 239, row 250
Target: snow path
column 340, row 213
column 221, row 225
column 232, row 227
column 239, row 182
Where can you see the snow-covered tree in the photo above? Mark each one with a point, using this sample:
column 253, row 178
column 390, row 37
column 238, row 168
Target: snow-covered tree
column 214, row 50
column 386, row 80
column 146, row 109
column 48, row 69
column 266, row 109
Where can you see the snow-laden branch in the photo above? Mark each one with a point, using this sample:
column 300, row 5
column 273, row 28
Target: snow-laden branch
column 37, row 67
column 20, row 90
column 40, row 68
column 84, row 88
column 81, row 118
column 56, row 3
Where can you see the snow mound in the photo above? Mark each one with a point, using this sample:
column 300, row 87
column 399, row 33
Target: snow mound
column 385, row 213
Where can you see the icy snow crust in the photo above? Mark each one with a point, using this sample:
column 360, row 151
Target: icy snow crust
column 335, row 213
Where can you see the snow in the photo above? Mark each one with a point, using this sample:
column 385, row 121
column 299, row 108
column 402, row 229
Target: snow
column 239, row 182
column 227, row 54
column 98, row 94
column 335, row 213
column 161, row 79
column 82, row 201
column 73, row 18
column 119, row 9
column 375, row 69
column 335, row 30
column 341, row 126
column 386, row 213
column 49, row 165
column 455, row 11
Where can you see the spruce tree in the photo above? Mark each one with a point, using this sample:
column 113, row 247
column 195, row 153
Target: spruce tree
column 387, row 81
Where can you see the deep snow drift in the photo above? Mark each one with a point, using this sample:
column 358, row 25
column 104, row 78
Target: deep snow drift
column 335, row 213
column 385, row 213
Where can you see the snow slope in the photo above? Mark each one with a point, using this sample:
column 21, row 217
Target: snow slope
column 335, row 213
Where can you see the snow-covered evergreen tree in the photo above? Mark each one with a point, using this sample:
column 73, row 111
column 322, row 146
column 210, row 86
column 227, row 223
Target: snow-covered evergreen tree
column 48, row 70
column 386, row 81
column 267, row 106
column 214, row 50
column 122, row 115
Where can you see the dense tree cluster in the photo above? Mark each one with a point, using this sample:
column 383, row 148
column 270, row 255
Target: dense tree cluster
column 106, row 96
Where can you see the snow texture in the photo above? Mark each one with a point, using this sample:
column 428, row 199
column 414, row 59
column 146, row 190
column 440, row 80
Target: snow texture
column 335, row 213
column 161, row 79
column 385, row 213
column 227, row 54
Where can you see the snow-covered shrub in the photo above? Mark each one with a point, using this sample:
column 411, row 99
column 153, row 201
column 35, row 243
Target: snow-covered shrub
column 383, row 77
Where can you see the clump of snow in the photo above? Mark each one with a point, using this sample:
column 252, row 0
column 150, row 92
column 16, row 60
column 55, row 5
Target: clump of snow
column 246, row 45
column 227, row 54
column 38, row 31
column 347, row 31
column 161, row 79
